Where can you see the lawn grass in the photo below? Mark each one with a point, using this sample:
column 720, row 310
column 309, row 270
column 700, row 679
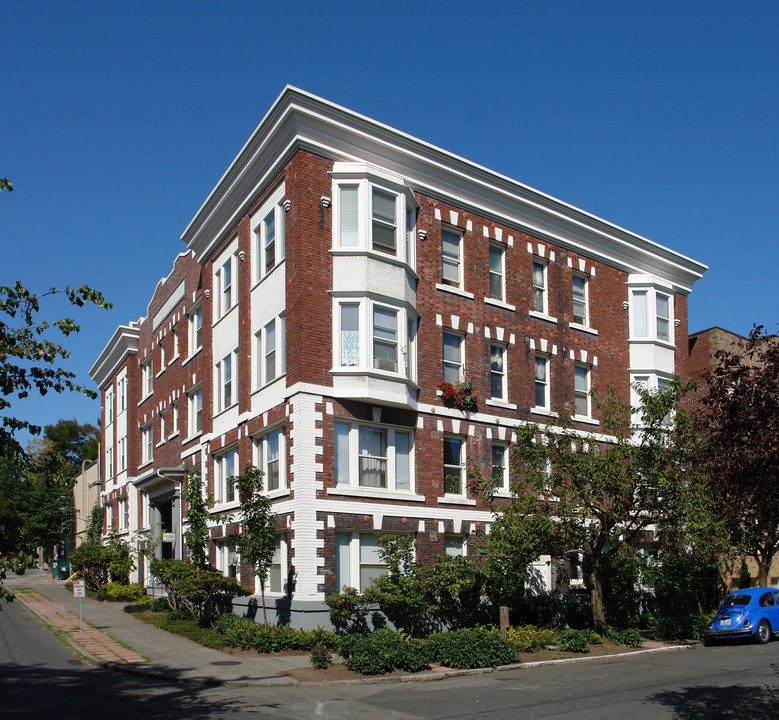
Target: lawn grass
column 186, row 627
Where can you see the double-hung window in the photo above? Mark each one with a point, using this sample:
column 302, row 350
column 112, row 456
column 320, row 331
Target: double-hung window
column 147, row 444
column 227, row 559
column 579, row 287
column 109, row 407
column 541, row 381
column 497, row 272
column 147, row 377
column 663, row 317
column 500, row 481
column 582, row 390
column 123, row 511
column 357, row 561
column 452, row 357
column 385, row 338
column 226, row 281
column 195, row 402
column 225, row 468
column 270, row 457
column 109, row 461
column 373, row 456
column 122, row 454
column 384, row 222
column 451, row 258
column 195, row 319
column 277, row 573
column 174, row 417
column 226, row 373
column 268, row 229
column 350, row 335
column 454, row 466
column 498, row 390
column 540, row 295
column 122, row 393
column 270, row 352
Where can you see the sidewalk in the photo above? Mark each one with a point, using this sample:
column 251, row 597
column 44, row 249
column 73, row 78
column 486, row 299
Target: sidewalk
column 153, row 652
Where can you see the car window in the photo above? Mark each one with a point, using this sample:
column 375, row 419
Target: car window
column 736, row 600
column 766, row 599
column 776, row 596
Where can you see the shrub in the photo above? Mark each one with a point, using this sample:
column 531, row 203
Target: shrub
column 203, row 592
column 456, row 584
column 247, row 634
column 131, row 592
column 348, row 610
column 320, row 657
column 382, row 652
column 470, row 648
column 575, row 640
column 97, row 564
column 630, row 636
column 529, row 638
column 594, row 638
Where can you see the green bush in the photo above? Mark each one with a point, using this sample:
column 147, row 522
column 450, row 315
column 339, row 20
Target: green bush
column 689, row 627
column 575, row 640
column 470, row 648
column 348, row 610
column 529, row 638
column 159, row 604
column 630, row 636
column 382, row 652
column 97, row 564
column 249, row 635
column 594, row 638
column 203, row 592
column 320, row 657
column 130, row 592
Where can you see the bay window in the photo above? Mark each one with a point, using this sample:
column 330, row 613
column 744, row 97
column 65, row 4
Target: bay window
column 651, row 313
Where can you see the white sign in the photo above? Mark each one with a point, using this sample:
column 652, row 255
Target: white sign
column 79, row 589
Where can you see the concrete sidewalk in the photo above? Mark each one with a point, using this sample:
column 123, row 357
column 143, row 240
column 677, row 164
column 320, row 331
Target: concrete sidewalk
column 153, row 652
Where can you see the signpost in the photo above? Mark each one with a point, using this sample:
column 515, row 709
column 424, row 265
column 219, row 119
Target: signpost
column 79, row 591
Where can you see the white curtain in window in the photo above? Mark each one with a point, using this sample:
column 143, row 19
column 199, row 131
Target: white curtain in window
column 350, row 335
column 373, row 457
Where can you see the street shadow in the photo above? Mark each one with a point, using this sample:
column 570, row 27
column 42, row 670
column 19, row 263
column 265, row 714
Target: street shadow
column 39, row 691
column 720, row 703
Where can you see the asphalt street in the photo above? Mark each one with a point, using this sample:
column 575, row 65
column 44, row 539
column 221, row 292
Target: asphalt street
column 40, row 678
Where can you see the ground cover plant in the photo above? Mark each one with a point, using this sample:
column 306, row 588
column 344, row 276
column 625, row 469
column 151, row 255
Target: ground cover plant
column 470, row 648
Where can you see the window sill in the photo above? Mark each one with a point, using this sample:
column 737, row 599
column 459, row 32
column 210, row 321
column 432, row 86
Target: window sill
column 160, row 443
column 542, row 316
column 267, row 274
column 500, row 304
column 192, row 356
column 146, row 464
column 491, row 402
column 364, row 492
column 652, row 341
column 173, row 359
column 585, row 419
column 227, row 409
column 268, row 384
column 175, row 434
column 455, row 500
column 454, row 291
column 218, row 507
column 159, row 373
column 583, row 328
column 279, row 492
column 383, row 257
column 145, row 398
column 192, row 437
column 543, row 411
column 227, row 314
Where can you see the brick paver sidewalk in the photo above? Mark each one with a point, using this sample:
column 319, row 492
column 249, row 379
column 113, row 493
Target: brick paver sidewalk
column 92, row 641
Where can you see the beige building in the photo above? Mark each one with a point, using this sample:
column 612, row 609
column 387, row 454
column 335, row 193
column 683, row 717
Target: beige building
column 86, row 493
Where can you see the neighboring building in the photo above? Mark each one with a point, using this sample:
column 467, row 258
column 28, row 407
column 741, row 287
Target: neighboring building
column 337, row 273
column 703, row 347
column 86, row 495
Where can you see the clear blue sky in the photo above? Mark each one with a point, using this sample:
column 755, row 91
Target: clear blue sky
column 118, row 118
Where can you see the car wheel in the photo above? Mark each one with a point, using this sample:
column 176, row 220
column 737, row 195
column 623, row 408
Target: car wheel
column 763, row 632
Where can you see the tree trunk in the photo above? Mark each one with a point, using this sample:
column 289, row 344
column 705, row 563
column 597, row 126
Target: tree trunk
column 596, row 600
column 264, row 610
column 763, row 568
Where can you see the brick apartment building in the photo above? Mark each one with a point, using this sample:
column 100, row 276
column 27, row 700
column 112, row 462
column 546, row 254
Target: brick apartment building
column 337, row 273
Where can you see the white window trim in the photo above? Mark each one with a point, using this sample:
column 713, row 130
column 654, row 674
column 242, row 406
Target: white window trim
column 586, row 301
column 460, row 284
column 123, row 513
column 653, row 379
column 109, row 462
column 192, row 431
column 544, row 312
column 353, row 468
column 223, row 546
column 109, row 409
column 228, row 257
column 222, row 474
column 505, row 488
column 274, row 204
column 502, row 249
column 147, row 377
column 461, row 336
column 366, row 178
column 260, row 452
column 284, row 565
column 220, row 405
column 588, row 376
column 546, row 408
column 122, row 454
column 463, row 465
column 147, row 444
column 193, row 346
column 505, row 373
column 406, row 346
column 259, row 366
column 354, row 560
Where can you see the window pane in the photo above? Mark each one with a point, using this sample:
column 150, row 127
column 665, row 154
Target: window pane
column 662, row 317
column 383, row 222
column 453, row 545
column 342, row 574
column 273, row 461
column 639, row 314
column 496, row 367
column 348, row 209
column 496, row 273
column 579, row 300
column 350, row 335
column 385, row 349
column 270, row 241
column 341, row 454
column 450, row 256
column 402, row 461
column 452, row 357
column 270, row 351
column 581, row 379
column 373, row 457
column 499, row 465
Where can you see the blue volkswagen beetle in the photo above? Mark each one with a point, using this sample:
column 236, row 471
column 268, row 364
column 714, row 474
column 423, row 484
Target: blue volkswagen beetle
column 750, row 612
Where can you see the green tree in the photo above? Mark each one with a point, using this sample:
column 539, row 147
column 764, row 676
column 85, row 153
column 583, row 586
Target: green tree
column 196, row 534
column 574, row 493
column 74, row 442
column 740, row 452
column 257, row 539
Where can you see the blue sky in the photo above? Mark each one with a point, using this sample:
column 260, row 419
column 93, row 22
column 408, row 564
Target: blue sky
column 119, row 118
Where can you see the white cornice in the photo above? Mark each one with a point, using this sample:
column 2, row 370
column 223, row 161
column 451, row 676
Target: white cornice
column 299, row 119
column 123, row 343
